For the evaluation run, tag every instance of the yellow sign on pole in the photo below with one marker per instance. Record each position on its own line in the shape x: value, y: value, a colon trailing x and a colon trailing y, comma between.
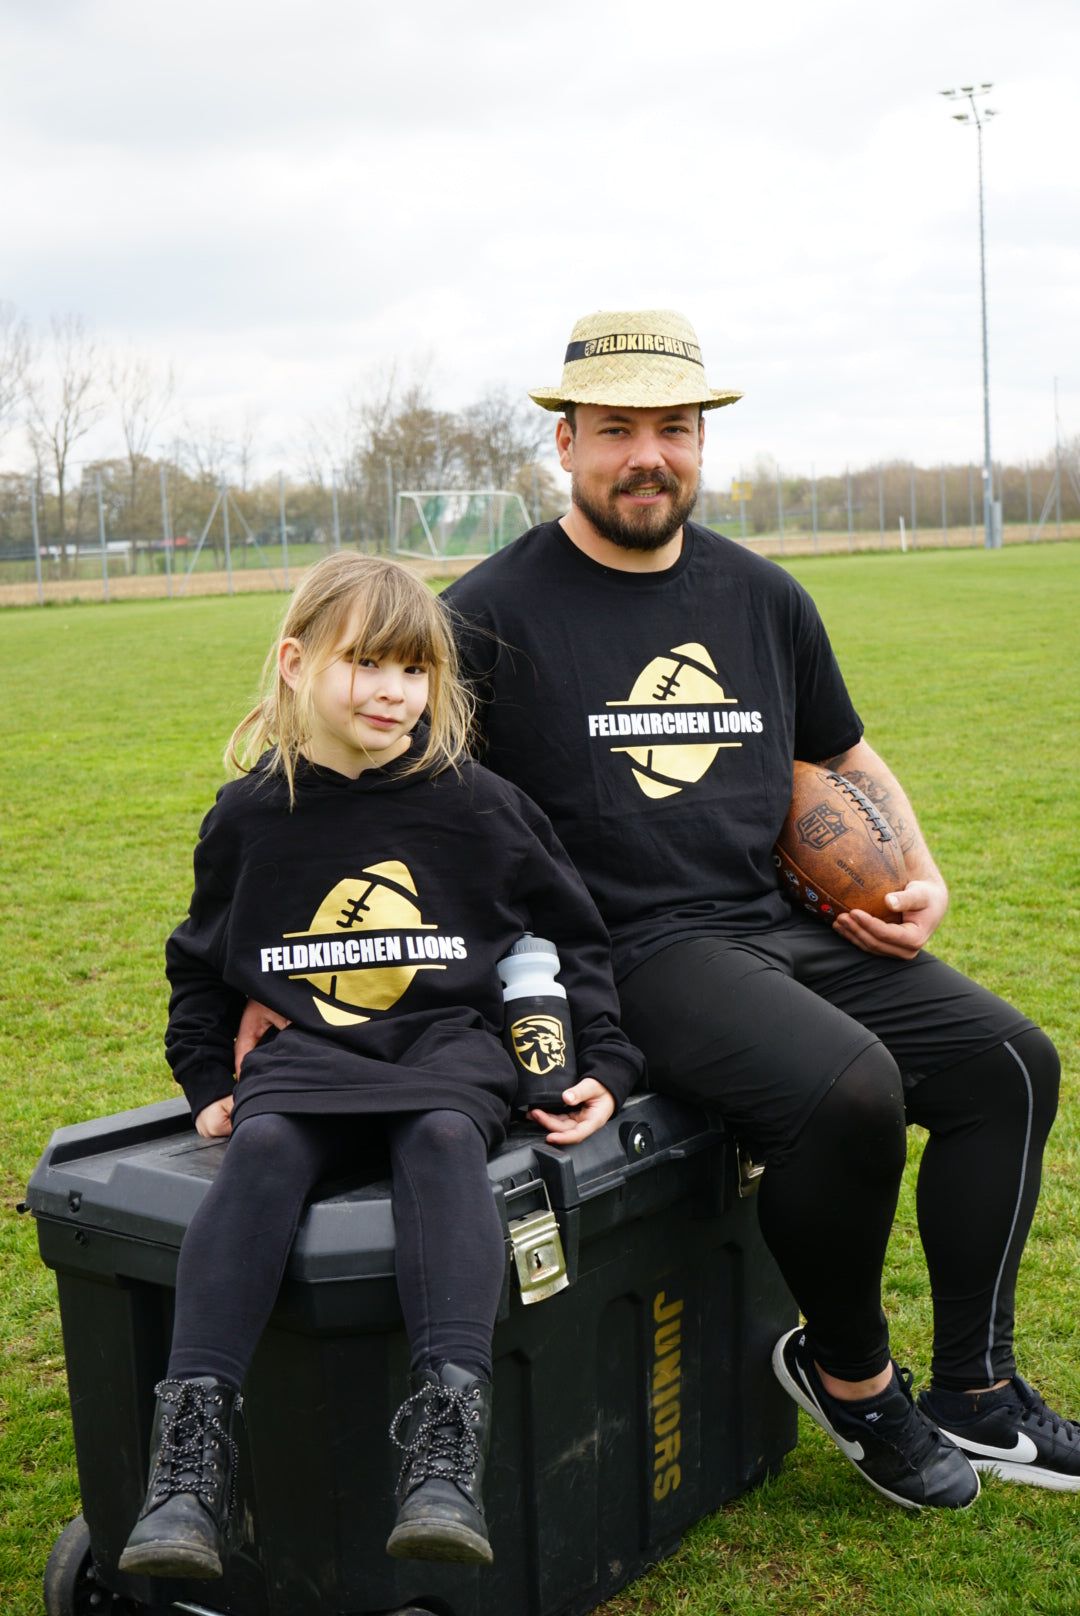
x: 741, y: 491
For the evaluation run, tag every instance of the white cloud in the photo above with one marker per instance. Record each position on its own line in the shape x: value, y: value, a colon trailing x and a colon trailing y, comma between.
x: 279, y: 198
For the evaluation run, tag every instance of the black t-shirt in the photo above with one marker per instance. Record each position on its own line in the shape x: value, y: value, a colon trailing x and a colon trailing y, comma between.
x: 654, y: 717
x: 372, y: 915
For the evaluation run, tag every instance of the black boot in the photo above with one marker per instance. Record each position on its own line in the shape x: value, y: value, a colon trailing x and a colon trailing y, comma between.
x: 181, y: 1527
x: 444, y: 1429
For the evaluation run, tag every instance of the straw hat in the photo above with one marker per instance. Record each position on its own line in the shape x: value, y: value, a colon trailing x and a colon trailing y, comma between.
x: 639, y: 359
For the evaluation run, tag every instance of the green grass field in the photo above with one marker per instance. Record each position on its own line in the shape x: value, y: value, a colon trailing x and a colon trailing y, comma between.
x: 966, y: 667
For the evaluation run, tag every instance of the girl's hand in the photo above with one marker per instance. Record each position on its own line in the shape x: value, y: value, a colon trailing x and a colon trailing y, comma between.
x: 591, y: 1104
x: 255, y: 1022
x: 214, y: 1121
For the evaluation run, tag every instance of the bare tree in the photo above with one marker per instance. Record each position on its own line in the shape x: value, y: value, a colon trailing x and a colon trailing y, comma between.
x: 498, y: 436
x: 64, y: 404
x: 328, y: 443
x: 14, y: 362
x: 399, y: 441
x: 245, y: 449
x: 397, y: 423
x: 391, y: 437
x: 143, y: 393
x: 207, y: 452
x: 541, y: 493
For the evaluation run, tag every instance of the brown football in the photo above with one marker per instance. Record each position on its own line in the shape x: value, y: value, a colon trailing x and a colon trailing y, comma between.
x: 836, y: 851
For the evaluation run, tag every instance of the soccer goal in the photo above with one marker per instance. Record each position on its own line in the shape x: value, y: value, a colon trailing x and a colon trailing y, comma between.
x: 457, y: 522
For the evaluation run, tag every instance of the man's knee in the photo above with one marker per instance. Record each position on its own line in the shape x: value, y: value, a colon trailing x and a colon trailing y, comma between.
x: 863, y: 1112
x: 1013, y: 1084
x: 1040, y: 1066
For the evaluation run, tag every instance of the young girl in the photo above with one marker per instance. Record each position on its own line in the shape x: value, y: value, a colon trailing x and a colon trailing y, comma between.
x: 360, y: 880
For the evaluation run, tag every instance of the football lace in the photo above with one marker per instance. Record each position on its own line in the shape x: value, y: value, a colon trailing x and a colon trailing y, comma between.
x: 880, y: 824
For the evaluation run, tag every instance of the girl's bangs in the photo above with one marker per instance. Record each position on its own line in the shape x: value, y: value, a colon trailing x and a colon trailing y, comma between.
x: 403, y: 626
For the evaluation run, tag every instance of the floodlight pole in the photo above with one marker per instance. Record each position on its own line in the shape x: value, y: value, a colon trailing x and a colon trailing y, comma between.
x: 101, y: 530
x: 165, y: 531
x: 284, y: 529
x: 225, y: 519
x: 988, y: 472
x: 37, y: 543
x: 969, y: 92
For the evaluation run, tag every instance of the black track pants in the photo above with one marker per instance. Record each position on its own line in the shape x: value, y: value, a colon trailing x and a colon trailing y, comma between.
x: 827, y: 1203
x: 817, y: 1055
x: 449, y: 1241
x: 826, y: 1207
x: 978, y: 1184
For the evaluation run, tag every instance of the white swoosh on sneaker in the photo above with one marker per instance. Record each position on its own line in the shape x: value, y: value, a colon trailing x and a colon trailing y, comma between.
x: 1024, y: 1451
x: 853, y: 1450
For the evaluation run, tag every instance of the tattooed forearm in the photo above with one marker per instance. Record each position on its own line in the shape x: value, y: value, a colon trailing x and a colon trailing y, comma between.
x: 878, y: 793
x: 884, y: 799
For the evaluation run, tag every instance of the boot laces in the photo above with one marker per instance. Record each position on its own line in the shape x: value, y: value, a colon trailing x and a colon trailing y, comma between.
x: 193, y: 1440
x: 444, y: 1443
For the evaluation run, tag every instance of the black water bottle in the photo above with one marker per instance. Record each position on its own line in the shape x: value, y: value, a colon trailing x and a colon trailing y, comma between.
x: 536, y: 1026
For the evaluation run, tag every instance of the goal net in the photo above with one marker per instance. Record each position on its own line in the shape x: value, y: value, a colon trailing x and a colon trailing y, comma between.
x: 457, y: 522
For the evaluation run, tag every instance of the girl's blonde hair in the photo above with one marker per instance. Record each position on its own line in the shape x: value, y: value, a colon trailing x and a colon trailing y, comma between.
x: 390, y: 612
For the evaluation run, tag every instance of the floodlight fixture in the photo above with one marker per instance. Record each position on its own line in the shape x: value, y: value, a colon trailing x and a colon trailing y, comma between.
x: 973, y: 95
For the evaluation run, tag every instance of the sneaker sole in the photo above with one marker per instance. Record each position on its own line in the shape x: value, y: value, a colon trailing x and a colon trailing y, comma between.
x: 798, y: 1395
x: 1029, y: 1475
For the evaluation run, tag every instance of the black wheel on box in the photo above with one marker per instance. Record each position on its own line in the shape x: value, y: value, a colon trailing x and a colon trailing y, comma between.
x: 71, y: 1583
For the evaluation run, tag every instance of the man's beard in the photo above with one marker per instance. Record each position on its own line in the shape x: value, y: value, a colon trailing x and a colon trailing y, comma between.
x: 649, y: 527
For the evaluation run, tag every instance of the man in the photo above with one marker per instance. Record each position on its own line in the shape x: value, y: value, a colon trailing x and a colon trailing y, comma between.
x: 614, y: 651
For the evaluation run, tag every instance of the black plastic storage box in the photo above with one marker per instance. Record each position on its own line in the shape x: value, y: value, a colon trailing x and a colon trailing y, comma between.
x: 628, y: 1404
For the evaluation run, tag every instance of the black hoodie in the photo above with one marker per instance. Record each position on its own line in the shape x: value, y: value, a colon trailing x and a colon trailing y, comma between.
x: 372, y: 915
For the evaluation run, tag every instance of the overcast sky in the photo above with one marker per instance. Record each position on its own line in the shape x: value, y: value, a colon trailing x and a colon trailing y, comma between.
x: 280, y: 198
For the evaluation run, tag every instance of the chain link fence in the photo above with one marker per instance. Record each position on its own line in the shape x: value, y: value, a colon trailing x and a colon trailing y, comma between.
x: 171, y: 535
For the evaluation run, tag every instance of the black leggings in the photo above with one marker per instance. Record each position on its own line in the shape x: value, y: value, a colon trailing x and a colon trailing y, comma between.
x: 449, y: 1252
x: 816, y: 1056
x: 827, y: 1204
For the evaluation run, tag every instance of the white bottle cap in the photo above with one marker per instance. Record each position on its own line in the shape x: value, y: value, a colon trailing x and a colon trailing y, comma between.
x: 528, y: 971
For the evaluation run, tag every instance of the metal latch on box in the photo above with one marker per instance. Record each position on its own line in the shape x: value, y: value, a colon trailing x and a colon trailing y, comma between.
x: 537, y: 1247
x: 749, y: 1175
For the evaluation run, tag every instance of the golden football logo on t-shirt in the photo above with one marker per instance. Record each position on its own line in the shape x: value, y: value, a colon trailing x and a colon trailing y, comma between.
x: 683, y: 679
x: 380, y: 900
x: 539, y: 1043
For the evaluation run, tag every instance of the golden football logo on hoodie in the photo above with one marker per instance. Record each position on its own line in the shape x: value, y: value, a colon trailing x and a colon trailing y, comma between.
x: 364, y: 972
x: 685, y: 685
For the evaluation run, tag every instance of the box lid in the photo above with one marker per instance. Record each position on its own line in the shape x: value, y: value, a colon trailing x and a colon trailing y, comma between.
x: 141, y: 1174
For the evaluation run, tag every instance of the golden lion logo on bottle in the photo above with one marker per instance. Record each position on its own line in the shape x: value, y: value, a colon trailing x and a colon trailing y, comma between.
x: 539, y: 1043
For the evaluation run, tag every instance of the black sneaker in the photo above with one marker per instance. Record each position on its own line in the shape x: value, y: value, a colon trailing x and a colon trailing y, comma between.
x: 1010, y: 1433
x: 895, y: 1448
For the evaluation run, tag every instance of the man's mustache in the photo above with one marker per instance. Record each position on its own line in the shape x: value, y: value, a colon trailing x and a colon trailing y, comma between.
x: 647, y: 479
